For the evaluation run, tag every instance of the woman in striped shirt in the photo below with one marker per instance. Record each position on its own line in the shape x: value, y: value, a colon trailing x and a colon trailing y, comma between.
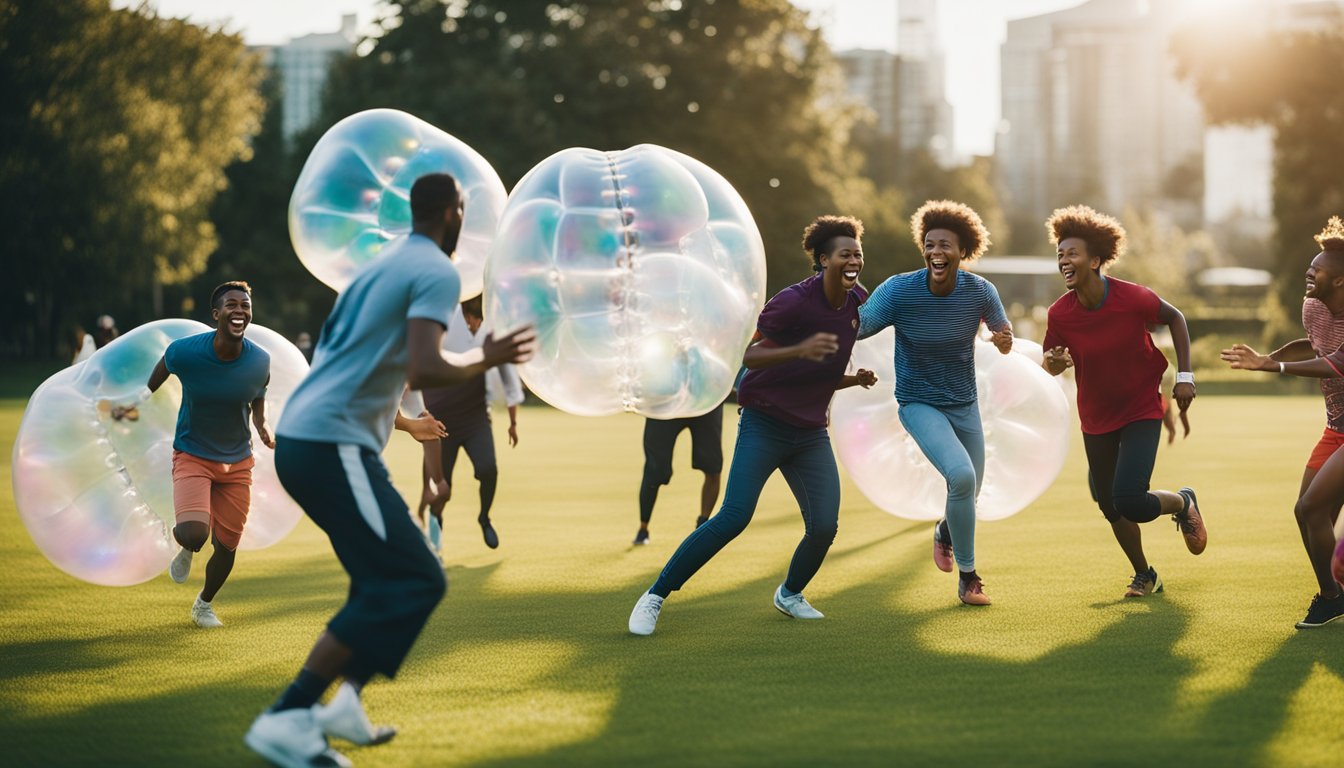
x: 936, y: 312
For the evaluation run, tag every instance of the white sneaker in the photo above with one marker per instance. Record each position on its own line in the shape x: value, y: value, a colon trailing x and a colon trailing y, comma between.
x: 344, y: 718
x: 795, y: 605
x: 291, y: 739
x: 435, y: 536
x: 180, y: 568
x: 203, y: 614
x: 645, y: 616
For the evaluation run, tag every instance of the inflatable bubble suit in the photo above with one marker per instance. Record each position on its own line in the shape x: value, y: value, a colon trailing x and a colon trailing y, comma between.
x: 1025, y: 417
x: 354, y: 195
x: 96, y: 494
x: 643, y: 273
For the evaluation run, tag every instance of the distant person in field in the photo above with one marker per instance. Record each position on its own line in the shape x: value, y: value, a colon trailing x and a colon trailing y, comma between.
x: 795, y: 363
x: 304, y: 341
x: 1317, y: 356
x: 383, y: 334
x: 1100, y: 327
x: 936, y: 313
x: 660, y: 440
x: 224, y: 378
x: 84, y: 344
x: 105, y: 331
x: 464, y: 410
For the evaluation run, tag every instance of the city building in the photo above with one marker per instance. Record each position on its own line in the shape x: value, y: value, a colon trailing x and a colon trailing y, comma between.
x: 303, y: 63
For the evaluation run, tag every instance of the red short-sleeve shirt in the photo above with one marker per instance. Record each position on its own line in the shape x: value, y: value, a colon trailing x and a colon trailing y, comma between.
x: 1118, y: 367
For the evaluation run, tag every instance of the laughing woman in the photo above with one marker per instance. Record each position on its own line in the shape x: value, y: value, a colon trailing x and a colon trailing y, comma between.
x: 1100, y: 326
x: 794, y: 365
x: 937, y: 312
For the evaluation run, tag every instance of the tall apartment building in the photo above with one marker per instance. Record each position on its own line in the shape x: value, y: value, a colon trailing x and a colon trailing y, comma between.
x: 302, y: 64
x: 1093, y: 111
x: 905, y: 89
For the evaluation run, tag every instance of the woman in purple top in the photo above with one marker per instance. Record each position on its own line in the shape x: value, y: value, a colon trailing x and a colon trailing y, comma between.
x: 795, y: 363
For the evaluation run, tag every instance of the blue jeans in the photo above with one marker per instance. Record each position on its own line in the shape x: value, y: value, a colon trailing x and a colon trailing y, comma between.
x: 803, y: 455
x: 954, y: 442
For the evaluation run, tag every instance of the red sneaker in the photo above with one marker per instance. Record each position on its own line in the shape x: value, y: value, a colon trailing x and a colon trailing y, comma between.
x: 942, y: 547
x: 1191, y: 523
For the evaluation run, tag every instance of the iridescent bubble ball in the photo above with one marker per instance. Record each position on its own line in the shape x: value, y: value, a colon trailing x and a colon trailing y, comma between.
x: 96, y: 494
x: 643, y: 273
x: 1024, y: 412
x: 354, y: 195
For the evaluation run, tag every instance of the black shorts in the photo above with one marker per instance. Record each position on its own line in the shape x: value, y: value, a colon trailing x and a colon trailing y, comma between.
x: 660, y: 438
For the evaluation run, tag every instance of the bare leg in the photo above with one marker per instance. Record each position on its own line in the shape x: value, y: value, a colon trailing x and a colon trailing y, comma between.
x: 1130, y: 537
x: 1315, y: 511
x: 217, y: 570
x: 709, y: 495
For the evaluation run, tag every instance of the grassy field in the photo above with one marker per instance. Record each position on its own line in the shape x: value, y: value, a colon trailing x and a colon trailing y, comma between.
x: 528, y: 662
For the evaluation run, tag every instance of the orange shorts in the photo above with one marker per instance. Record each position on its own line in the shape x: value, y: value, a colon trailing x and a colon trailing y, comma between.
x: 213, y: 493
x: 1330, y: 442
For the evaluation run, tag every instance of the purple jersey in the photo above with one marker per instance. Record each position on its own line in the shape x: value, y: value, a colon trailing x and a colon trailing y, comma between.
x: 799, y: 392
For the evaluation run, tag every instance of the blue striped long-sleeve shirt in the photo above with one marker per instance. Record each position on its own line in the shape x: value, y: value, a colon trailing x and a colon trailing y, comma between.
x: 935, y: 335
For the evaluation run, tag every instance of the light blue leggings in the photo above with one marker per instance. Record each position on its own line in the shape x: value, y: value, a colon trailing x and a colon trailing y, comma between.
x: 954, y: 442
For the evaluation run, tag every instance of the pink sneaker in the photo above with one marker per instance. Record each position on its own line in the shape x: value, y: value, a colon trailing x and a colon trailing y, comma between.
x: 942, y: 547
x: 972, y: 592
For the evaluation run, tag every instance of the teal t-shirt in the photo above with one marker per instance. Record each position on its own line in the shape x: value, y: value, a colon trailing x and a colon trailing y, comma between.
x: 217, y: 397
x: 350, y: 395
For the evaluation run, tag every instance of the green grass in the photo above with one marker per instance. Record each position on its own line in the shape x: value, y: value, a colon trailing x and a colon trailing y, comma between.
x: 528, y: 662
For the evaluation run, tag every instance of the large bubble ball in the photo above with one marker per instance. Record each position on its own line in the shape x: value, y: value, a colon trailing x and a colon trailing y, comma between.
x: 96, y: 494
x: 643, y: 273
x: 1025, y: 415
x: 354, y: 195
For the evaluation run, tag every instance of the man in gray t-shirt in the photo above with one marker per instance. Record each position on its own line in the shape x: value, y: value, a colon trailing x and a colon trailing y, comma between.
x: 383, y: 334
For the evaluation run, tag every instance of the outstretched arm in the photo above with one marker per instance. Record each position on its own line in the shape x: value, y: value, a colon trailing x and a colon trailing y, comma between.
x: 861, y: 378
x: 764, y: 353
x: 1243, y: 358
x: 426, y: 367
x: 130, y: 409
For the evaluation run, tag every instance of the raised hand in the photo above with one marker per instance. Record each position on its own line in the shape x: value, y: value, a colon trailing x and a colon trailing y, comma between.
x: 1003, y: 340
x: 514, y: 347
x: 1243, y: 358
x: 818, y: 347
x: 1058, y: 360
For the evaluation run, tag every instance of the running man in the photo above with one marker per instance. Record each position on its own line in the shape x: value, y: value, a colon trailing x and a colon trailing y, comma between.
x: 1317, y: 356
x: 660, y: 439
x: 224, y: 378
x: 384, y: 333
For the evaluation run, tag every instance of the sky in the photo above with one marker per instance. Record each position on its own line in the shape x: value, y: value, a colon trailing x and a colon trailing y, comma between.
x: 970, y: 30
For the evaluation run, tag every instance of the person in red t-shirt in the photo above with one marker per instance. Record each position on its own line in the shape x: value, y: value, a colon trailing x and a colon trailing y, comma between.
x: 1100, y: 327
x: 1321, y: 356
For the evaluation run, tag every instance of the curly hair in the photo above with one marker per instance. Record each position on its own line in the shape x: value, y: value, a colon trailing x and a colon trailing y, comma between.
x: 1105, y: 237
x: 1332, y: 237
x: 823, y: 229
x: 961, y: 219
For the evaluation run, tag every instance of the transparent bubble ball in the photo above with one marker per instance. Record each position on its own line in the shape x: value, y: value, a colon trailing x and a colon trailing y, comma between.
x: 1024, y: 412
x: 96, y: 494
x: 354, y: 195
x: 643, y: 273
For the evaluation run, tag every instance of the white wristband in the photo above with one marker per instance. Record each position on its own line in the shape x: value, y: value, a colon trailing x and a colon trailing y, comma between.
x: 1185, y: 377
x: 1281, y: 367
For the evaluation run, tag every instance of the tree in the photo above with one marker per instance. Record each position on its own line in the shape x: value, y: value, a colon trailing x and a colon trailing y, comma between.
x: 745, y: 86
x: 1287, y: 79
x: 117, y: 127
x: 252, y: 227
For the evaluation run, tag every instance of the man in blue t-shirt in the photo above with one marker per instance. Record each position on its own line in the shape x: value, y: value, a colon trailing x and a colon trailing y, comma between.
x: 224, y: 378
x: 383, y: 333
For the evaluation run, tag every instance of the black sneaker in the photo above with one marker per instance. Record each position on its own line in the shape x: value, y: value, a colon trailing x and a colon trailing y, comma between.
x: 642, y: 537
x: 1323, y: 610
x: 488, y: 532
x: 1145, y: 583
